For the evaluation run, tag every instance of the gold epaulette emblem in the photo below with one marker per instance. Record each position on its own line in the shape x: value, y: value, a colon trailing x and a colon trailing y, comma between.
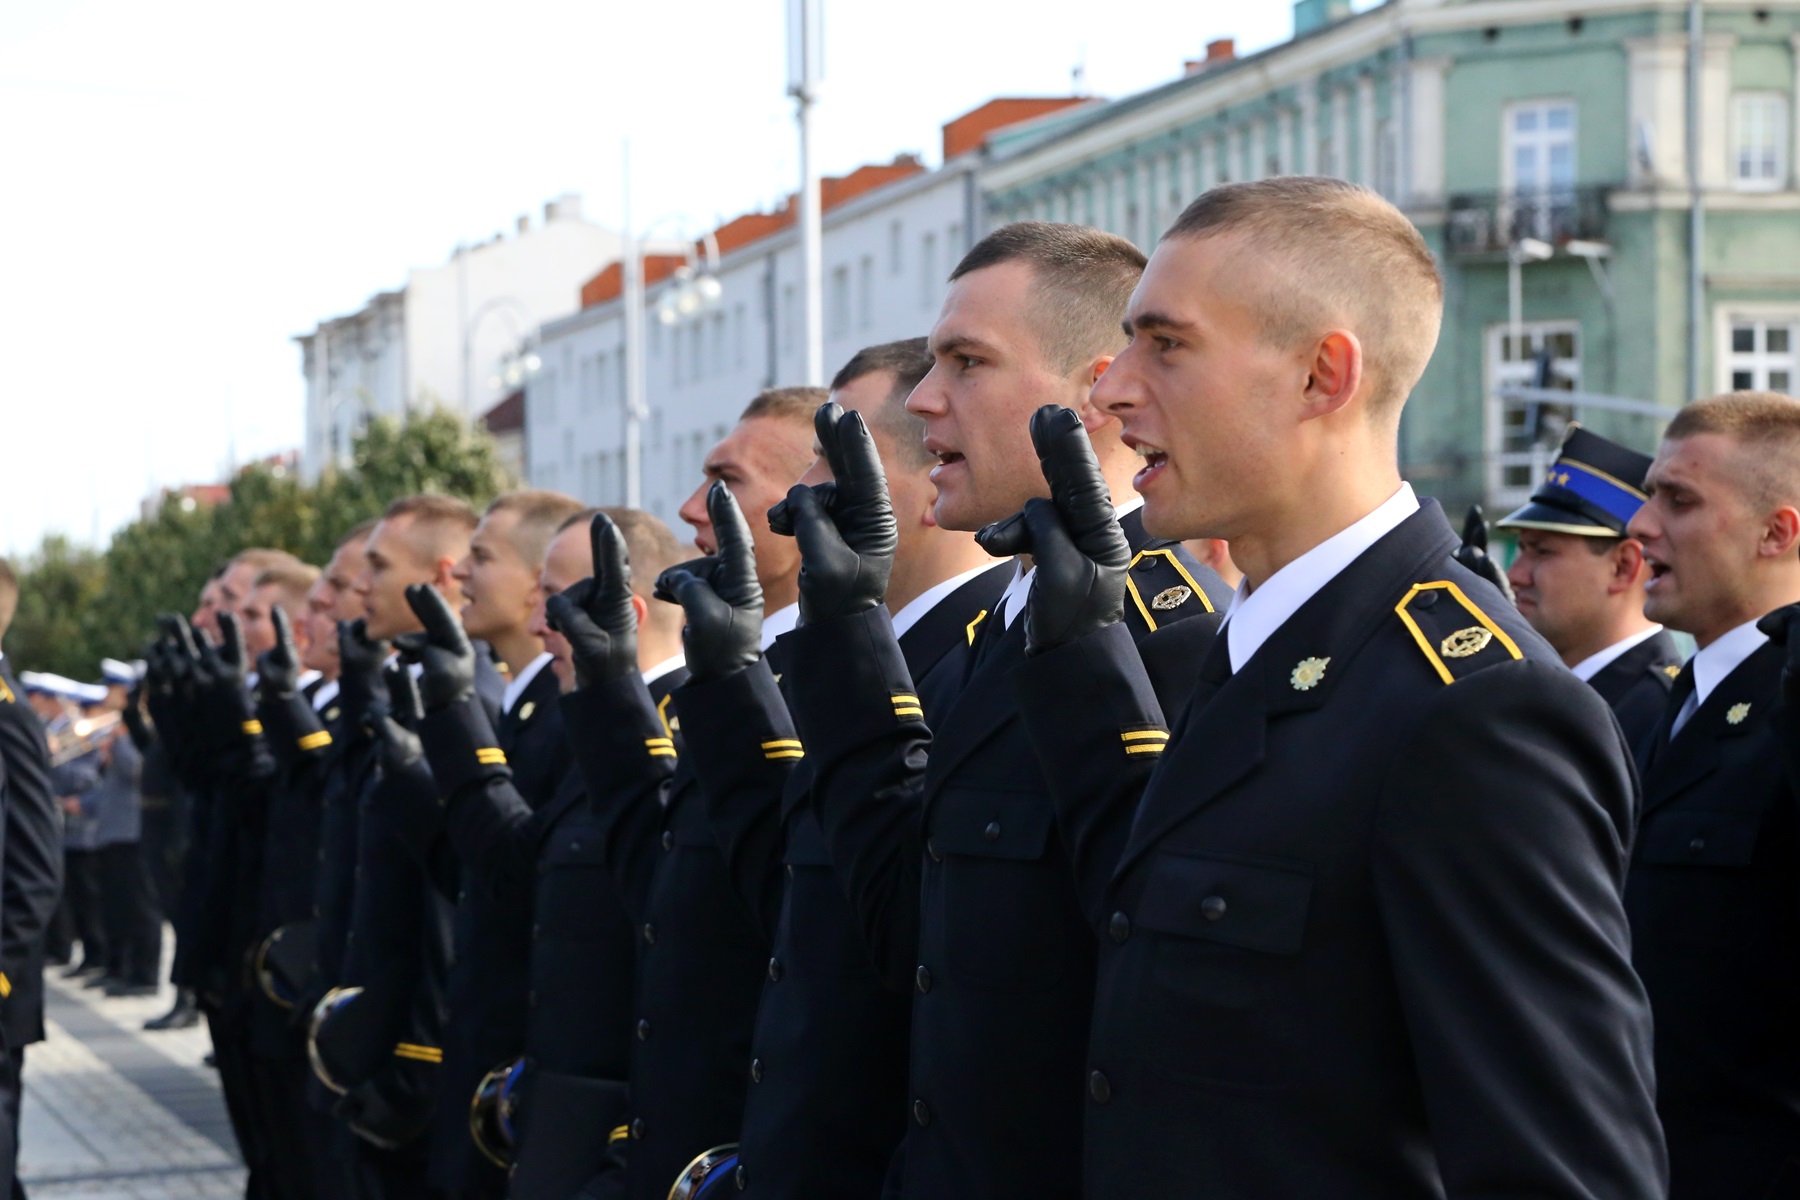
x: 1173, y: 597
x: 1465, y: 643
x: 1736, y: 713
x: 1306, y: 676
x: 526, y: 709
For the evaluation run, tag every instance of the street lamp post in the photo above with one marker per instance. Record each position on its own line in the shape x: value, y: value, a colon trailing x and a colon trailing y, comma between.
x: 806, y: 54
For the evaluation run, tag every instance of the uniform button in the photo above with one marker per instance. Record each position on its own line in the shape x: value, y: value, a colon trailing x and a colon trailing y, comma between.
x: 922, y: 977
x: 743, y: 1180
x: 1213, y: 907
x: 992, y: 832
x: 774, y: 970
x: 668, y: 839
x: 649, y: 934
x: 575, y: 845
x: 1119, y: 928
x: 1099, y: 1087
x: 1426, y: 599
x: 756, y: 1070
x: 637, y: 1130
x: 1697, y: 845
x: 643, y: 1029
x: 921, y: 1114
x: 1147, y: 563
x: 931, y: 848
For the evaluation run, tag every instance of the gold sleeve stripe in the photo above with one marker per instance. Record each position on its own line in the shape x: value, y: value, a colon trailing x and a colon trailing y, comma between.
x: 417, y: 1053
x: 775, y: 754
x: 313, y: 741
x: 909, y: 713
x: 901, y: 698
x: 1146, y: 748
x: 660, y: 747
x: 979, y: 618
x: 782, y: 743
x: 1144, y: 735
x: 491, y: 756
x: 1456, y: 594
x: 619, y: 1134
x: 253, y: 727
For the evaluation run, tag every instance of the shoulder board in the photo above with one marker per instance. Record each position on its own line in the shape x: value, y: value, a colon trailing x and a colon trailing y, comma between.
x: 1456, y: 637
x: 6, y: 693
x: 1161, y: 589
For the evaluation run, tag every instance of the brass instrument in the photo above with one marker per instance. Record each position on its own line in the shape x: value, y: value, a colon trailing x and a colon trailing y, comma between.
x: 330, y: 1003
x: 708, y: 1175
x: 82, y: 737
x: 493, y: 1111
x: 282, y: 962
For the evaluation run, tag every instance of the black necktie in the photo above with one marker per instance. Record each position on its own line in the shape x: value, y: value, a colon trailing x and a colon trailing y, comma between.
x: 1678, y: 696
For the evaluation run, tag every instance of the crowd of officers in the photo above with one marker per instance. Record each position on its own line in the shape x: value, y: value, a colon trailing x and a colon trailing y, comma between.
x: 1069, y: 762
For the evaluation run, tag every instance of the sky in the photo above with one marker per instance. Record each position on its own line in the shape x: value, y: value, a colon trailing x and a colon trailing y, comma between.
x: 187, y: 185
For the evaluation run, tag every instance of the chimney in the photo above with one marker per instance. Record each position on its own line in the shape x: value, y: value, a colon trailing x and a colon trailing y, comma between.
x: 1218, y: 51
x: 524, y: 224
x: 566, y: 207
x: 1316, y: 14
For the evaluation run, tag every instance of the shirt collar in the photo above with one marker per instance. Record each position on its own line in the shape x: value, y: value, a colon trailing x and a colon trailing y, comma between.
x: 1254, y: 616
x: 915, y: 609
x: 1593, y: 664
x: 327, y: 692
x: 1126, y: 507
x: 1012, y: 600
x: 663, y: 668
x: 516, y: 686
x: 781, y: 621
x: 1723, y: 656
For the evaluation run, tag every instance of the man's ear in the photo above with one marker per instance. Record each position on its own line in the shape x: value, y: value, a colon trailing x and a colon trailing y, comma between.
x: 1334, y: 374
x: 1092, y: 416
x: 1628, y: 567
x: 1781, y: 533
x: 640, y: 607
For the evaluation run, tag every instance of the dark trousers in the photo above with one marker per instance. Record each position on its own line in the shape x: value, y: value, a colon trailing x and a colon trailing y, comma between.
x: 78, y: 914
x: 132, y: 921
x: 392, y: 1174
x: 230, y: 1029
x: 279, y: 1082
x: 12, y: 1068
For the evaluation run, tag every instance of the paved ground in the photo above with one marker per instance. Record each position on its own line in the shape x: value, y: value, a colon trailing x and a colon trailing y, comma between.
x: 114, y: 1113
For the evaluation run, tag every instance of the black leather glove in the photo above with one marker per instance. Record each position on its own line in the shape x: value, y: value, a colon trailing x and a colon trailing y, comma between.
x: 1783, y: 628
x: 278, y: 668
x: 221, y: 703
x: 595, y: 615
x: 444, y: 650
x: 1473, y: 552
x: 720, y: 595
x: 845, y: 528
x: 394, y: 725
x: 1074, y: 537
x: 359, y: 670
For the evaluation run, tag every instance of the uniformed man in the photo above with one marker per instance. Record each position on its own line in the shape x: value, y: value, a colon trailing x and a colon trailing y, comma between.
x: 1716, y: 871
x: 569, y: 1088
x: 133, y: 929
x: 60, y: 703
x: 1579, y: 580
x: 827, y: 1098
x: 976, y: 909
x: 1362, y: 935
x: 30, y: 879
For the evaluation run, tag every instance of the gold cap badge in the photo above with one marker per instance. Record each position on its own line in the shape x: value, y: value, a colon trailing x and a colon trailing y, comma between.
x: 1306, y: 676
x: 1173, y: 597
x: 1736, y: 713
x: 1465, y: 642
x: 526, y: 709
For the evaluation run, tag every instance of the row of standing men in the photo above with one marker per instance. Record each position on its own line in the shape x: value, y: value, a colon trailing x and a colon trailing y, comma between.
x: 840, y: 861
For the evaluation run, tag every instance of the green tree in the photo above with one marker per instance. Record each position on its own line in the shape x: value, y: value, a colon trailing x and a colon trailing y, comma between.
x: 77, y: 606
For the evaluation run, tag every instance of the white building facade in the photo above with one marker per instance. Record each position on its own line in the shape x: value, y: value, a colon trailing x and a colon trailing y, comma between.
x: 440, y: 340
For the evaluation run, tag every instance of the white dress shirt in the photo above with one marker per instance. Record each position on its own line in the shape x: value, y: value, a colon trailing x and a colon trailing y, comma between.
x: 1012, y: 600
x: 327, y: 692
x: 516, y: 686
x: 1254, y: 616
x: 1592, y: 665
x: 781, y: 621
x: 914, y: 609
x: 663, y: 668
x: 1714, y: 663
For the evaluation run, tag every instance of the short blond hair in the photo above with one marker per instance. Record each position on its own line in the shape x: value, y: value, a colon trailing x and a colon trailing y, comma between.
x: 292, y: 580
x: 537, y: 515
x: 1765, y: 423
x: 1342, y: 256
x: 439, y: 525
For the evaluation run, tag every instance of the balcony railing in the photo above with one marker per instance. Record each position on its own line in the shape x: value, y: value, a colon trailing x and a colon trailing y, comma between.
x: 1489, y: 222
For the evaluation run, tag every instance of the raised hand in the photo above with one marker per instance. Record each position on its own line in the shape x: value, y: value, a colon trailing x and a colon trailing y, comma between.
x: 1074, y: 537
x: 1783, y: 628
x: 596, y: 615
x: 720, y: 594
x: 1472, y: 553
x: 230, y: 660
x: 278, y: 668
x: 394, y: 725
x: 359, y: 668
x: 845, y: 528
x: 444, y: 650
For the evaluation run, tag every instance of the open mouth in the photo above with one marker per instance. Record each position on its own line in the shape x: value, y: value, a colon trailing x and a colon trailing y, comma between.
x: 946, y: 459
x: 1657, y: 571
x: 1155, y: 462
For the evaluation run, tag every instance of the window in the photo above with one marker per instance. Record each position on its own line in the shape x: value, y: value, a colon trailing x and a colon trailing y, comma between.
x: 1387, y: 160
x: 896, y: 248
x: 674, y: 351
x: 697, y: 348
x: 953, y: 242
x: 1759, y: 141
x: 865, y: 292
x: 738, y: 345
x: 928, y: 270
x: 718, y: 343
x: 790, y: 317
x: 1522, y: 438
x: 1764, y: 353
x: 839, y: 306
x: 1539, y: 169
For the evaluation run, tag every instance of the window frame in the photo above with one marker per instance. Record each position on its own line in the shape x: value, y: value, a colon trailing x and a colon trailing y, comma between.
x: 1780, y: 106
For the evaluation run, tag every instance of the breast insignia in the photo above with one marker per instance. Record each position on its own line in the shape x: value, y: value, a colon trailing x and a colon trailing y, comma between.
x: 526, y: 709
x: 1465, y: 643
x: 1672, y: 670
x: 1169, y: 598
x: 1736, y: 713
x: 333, y: 713
x: 1306, y: 676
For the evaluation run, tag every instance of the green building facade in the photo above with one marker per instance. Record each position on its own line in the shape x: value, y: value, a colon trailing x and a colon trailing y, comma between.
x: 1508, y: 130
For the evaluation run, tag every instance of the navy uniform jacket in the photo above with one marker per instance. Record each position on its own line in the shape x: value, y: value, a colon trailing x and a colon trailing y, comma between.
x: 1714, y: 898
x: 1636, y: 685
x: 701, y: 960
x: 1363, y: 934
x: 983, y: 925
x: 30, y: 866
x: 581, y: 999
x: 827, y: 1100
